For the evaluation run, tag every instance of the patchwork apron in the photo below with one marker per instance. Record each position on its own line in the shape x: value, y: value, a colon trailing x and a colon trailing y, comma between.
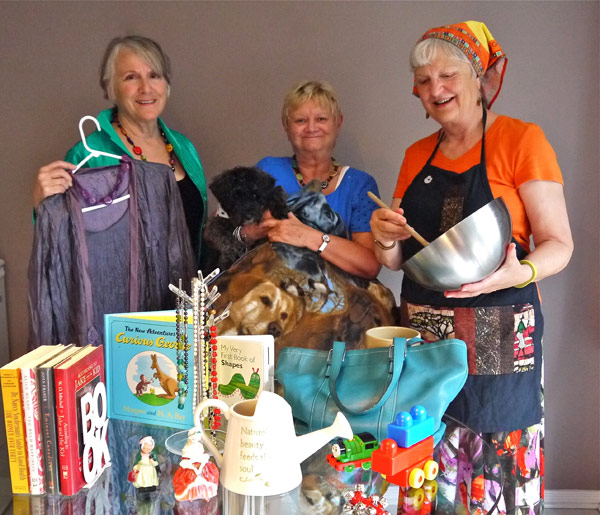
x: 503, y: 329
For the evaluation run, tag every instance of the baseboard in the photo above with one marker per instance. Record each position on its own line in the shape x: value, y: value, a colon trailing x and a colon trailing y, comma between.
x: 573, y: 499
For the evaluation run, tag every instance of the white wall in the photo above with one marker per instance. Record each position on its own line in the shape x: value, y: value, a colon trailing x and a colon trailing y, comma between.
x: 233, y: 62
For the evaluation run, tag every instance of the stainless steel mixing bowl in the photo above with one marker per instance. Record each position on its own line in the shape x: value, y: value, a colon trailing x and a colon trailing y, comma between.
x: 466, y: 253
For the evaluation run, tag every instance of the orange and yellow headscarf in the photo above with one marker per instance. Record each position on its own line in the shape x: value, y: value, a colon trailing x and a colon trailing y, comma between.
x: 475, y: 40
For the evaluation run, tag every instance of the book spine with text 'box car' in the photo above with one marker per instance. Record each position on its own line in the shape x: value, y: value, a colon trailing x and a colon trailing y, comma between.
x: 47, y: 401
x: 31, y: 413
x: 72, y: 380
x: 15, y: 430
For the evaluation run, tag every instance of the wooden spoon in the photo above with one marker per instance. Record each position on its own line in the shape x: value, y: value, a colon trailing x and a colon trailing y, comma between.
x: 412, y: 232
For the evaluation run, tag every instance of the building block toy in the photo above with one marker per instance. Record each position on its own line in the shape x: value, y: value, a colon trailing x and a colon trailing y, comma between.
x: 405, y: 466
x: 390, y: 458
x: 410, y: 428
x: 405, y: 458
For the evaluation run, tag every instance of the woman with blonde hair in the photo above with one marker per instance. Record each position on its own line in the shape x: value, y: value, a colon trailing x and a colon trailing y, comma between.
x: 312, y: 119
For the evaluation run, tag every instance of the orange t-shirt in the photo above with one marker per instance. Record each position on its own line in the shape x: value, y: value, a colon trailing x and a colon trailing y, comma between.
x: 515, y: 152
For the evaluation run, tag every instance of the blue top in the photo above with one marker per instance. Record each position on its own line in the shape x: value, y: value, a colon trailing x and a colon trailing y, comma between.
x: 349, y: 199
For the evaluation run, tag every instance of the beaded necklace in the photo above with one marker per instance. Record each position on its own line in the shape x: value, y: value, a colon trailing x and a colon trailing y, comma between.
x: 181, y: 319
x: 300, y: 177
x: 138, y: 150
x: 205, y: 337
x: 204, y: 380
x: 91, y: 200
x: 211, y: 370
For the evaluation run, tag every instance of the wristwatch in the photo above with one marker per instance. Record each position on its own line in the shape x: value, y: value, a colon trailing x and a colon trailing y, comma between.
x: 326, y: 240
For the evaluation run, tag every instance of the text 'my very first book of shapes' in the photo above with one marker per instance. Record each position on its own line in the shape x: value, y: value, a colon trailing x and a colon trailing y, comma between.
x: 245, y: 366
x: 142, y: 371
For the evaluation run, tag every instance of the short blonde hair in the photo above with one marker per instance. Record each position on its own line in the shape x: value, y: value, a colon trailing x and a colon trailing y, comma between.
x: 319, y: 91
x: 146, y: 48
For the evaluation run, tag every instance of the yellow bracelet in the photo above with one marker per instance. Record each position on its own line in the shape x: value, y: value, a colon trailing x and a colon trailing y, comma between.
x: 534, y: 273
x: 382, y: 246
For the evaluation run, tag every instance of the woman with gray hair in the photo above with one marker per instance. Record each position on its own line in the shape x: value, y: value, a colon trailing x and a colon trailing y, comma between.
x: 135, y: 76
x: 476, y: 156
x: 93, y: 254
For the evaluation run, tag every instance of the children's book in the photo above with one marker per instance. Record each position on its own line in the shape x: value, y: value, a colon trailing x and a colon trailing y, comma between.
x: 10, y: 374
x: 32, y: 416
x: 244, y: 366
x: 77, y: 379
x: 47, y: 401
x: 145, y: 381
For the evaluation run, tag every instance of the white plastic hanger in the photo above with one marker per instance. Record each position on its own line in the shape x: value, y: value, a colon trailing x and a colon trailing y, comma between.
x: 95, y: 153
x: 92, y: 152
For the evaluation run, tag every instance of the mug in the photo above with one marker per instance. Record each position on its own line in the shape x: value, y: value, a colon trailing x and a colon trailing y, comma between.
x: 383, y: 336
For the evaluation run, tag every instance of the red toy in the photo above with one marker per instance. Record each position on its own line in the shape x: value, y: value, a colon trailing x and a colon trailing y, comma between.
x: 406, y: 467
x: 405, y: 458
x: 357, y: 503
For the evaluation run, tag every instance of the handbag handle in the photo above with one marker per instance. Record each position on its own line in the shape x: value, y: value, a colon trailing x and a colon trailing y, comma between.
x: 397, y: 353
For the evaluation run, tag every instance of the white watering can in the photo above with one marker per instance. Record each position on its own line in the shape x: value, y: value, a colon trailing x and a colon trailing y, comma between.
x: 262, y: 454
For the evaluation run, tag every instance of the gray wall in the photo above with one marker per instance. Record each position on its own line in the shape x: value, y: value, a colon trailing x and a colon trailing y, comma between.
x: 232, y: 63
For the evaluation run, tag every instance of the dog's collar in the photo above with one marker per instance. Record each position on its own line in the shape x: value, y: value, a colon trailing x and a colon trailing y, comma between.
x: 221, y: 212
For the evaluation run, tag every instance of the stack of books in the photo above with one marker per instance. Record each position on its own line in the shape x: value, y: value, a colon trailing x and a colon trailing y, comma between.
x: 43, y: 393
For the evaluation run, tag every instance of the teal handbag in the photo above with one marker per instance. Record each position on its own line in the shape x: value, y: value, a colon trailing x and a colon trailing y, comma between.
x: 371, y: 386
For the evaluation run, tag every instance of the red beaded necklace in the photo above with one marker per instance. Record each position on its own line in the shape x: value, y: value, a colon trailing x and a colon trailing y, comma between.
x: 138, y: 150
x: 210, y: 337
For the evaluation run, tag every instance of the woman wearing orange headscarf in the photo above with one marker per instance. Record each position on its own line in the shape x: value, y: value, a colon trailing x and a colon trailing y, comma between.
x: 476, y: 156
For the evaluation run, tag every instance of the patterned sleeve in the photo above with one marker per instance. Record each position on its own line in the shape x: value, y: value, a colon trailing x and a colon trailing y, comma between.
x: 362, y: 205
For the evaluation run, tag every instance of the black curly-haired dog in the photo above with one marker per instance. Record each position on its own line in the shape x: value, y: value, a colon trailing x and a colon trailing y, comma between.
x: 244, y: 194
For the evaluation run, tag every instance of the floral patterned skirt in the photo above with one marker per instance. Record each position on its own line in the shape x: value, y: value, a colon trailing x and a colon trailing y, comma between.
x: 491, y: 473
x: 473, y: 468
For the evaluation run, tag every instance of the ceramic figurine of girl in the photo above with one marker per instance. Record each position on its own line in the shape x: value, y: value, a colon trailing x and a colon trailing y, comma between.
x: 144, y: 474
x: 196, y: 477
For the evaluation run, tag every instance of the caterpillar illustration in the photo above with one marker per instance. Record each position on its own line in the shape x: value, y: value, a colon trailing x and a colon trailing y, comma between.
x: 248, y: 391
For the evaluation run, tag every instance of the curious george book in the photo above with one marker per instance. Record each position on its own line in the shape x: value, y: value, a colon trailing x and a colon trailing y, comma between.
x: 149, y: 373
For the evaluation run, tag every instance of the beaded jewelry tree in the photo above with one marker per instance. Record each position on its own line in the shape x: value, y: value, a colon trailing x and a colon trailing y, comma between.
x: 204, y: 347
